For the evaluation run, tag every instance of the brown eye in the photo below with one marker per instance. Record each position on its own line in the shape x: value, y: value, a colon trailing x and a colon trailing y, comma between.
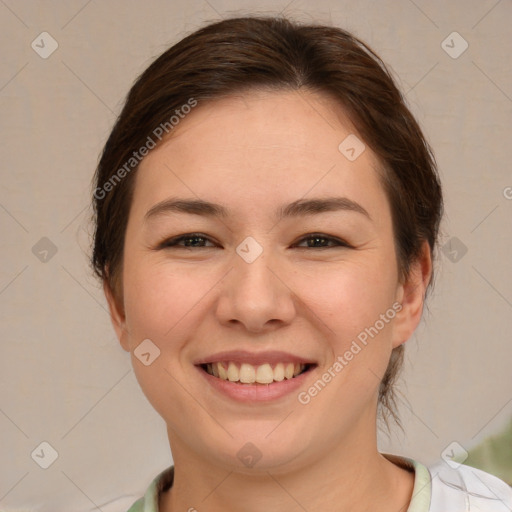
x: 186, y: 241
x: 320, y: 240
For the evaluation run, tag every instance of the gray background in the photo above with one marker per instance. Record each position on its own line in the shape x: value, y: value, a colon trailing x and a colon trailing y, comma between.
x: 65, y: 380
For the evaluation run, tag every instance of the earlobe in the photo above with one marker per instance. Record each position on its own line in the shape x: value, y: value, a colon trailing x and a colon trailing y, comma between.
x: 411, y: 295
x: 117, y: 317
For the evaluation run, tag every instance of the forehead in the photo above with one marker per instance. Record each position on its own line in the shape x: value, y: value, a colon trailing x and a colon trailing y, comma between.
x: 259, y: 150
x: 264, y: 124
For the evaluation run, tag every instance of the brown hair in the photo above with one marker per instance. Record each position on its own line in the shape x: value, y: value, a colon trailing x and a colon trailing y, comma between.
x: 274, y: 53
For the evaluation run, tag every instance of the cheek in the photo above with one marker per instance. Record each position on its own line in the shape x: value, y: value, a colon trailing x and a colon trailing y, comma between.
x: 158, y: 297
x: 165, y: 390
x: 159, y: 306
x: 347, y: 297
x: 350, y: 301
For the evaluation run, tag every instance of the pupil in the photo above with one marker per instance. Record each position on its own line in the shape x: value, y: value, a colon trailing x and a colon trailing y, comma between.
x: 316, y: 239
x: 192, y: 238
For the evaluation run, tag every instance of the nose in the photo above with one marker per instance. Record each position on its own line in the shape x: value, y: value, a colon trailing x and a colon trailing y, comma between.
x: 255, y: 296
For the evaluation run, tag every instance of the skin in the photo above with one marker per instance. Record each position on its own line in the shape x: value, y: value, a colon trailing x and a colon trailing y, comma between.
x: 252, y: 154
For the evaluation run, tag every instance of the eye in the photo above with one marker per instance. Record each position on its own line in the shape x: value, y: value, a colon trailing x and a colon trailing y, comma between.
x: 319, y: 238
x: 190, y: 240
x: 198, y: 240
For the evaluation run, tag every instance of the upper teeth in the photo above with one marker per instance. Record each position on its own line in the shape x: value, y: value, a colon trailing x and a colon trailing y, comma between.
x: 248, y: 374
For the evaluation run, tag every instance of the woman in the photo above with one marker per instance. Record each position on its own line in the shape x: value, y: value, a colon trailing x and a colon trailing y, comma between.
x: 267, y: 211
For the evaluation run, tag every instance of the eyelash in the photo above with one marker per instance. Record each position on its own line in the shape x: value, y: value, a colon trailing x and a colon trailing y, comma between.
x: 173, y: 242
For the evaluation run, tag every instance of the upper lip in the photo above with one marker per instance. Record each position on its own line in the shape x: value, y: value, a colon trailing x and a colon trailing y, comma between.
x: 254, y: 358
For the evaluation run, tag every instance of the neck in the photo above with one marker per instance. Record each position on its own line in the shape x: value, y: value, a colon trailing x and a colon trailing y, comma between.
x: 353, y: 477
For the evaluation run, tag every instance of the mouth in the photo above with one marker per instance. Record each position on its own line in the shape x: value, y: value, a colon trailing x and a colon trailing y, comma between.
x: 252, y: 375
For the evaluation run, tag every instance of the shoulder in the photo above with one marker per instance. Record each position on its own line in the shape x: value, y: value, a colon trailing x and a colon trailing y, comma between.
x: 467, y: 489
x: 138, y: 506
x: 149, y: 502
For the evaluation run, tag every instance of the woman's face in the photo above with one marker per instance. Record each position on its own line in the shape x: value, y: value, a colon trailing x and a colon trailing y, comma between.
x: 256, y: 288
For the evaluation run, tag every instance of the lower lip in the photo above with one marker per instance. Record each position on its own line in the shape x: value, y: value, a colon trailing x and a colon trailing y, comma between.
x: 255, y: 392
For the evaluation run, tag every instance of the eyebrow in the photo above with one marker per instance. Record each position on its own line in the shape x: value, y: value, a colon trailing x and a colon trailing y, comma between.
x: 301, y: 207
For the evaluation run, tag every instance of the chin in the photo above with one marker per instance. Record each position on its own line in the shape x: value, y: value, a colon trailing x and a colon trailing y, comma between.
x: 258, y: 453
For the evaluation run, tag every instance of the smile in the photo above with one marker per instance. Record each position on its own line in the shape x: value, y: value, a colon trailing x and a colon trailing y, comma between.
x: 251, y: 377
x: 246, y: 373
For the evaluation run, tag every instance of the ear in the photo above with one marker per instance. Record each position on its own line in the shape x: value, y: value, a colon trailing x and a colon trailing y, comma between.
x: 117, y: 316
x: 411, y: 295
